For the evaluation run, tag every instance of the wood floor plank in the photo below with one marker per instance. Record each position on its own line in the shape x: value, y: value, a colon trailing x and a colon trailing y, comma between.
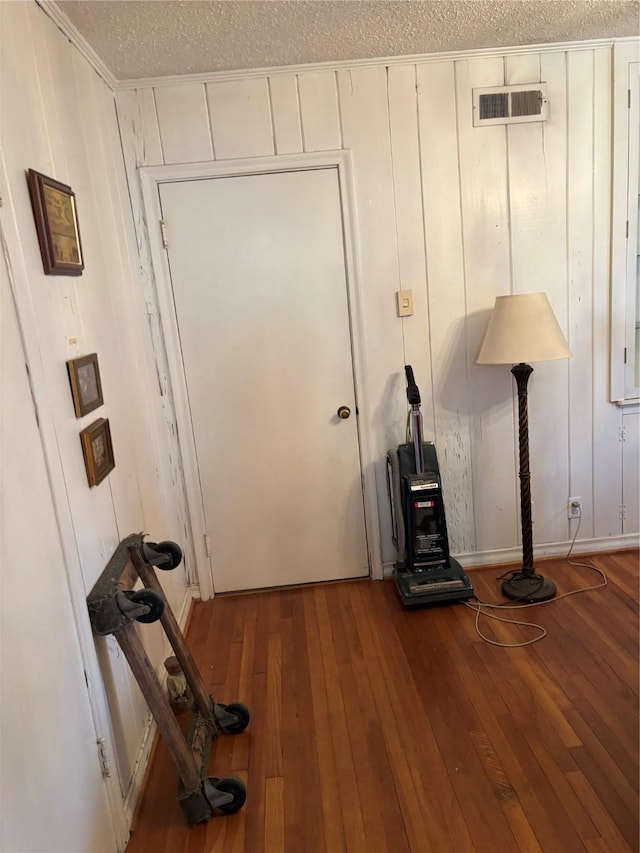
x: 274, y: 815
x: 535, y: 743
x: 407, y: 764
x: 198, y: 629
x: 438, y: 784
x: 216, y: 834
x: 485, y: 819
x: 303, y: 817
x: 331, y: 793
x: 625, y: 576
x: 262, y: 634
x: 565, y: 802
x: 346, y: 775
x: 618, y: 743
x: 452, y: 716
x: 195, y: 839
x: 377, y: 729
x: 610, y: 835
x: 438, y: 800
x: 259, y: 735
x: 378, y: 755
x: 166, y: 812
x: 241, y: 742
x: 219, y: 644
x: 611, y: 787
x: 612, y: 636
x: 517, y: 796
x: 273, y: 747
x: 359, y: 720
x: 589, y: 674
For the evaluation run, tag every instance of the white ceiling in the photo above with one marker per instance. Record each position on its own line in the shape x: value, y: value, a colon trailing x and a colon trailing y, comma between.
x: 152, y: 38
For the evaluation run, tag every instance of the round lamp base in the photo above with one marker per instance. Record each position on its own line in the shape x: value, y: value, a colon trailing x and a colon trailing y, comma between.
x: 528, y: 588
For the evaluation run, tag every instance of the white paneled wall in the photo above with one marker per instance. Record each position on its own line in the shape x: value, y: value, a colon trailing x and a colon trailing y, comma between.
x: 460, y: 215
x: 58, y: 117
x: 45, y: 705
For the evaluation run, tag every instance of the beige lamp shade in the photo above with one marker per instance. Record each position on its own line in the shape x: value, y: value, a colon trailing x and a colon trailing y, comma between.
x: 522, y: 328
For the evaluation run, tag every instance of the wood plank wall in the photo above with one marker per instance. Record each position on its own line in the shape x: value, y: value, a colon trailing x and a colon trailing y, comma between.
x: 58, y: 117
x: 460, y: 215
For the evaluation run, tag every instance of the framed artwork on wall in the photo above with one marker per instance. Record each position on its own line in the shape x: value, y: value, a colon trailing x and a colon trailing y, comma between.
x: 56, y: 215
x: 97, y: 450
x: 86, y: 388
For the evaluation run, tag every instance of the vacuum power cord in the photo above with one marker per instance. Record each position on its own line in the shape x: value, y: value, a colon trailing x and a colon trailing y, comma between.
x: 478, y: 607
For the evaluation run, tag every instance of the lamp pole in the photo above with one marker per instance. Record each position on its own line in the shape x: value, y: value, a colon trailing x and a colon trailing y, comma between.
x: 522, y: 372
x: 527, y: 584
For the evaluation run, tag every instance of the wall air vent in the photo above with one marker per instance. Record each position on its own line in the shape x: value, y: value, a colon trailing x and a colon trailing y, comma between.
x: 510, y: 104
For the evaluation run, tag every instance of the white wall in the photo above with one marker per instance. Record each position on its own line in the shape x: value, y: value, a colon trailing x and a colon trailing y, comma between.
x: 460, y: 215
x: 51, y: 792
x: 58, y: 117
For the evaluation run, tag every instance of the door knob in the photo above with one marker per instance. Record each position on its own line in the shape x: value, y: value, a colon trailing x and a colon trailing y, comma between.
x: 344, y: 412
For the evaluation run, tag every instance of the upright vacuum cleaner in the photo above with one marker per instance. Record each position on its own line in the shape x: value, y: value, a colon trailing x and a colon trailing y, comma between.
x: 425, y: 572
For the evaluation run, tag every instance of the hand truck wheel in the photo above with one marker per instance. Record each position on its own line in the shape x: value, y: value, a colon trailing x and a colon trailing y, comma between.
x: 234, y: 786
x: 143, y: 605
x: 163, y: 555
x: 242, y: 717
x: 151, y: 599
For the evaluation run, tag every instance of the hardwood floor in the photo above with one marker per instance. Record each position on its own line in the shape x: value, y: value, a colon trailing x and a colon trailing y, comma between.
x: 379, y: 729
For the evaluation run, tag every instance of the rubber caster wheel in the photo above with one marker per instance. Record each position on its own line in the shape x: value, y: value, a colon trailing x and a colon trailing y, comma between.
x: 170, y: 555
x: 153, y: 600
x: 241, y: 712
x: 235, y: 786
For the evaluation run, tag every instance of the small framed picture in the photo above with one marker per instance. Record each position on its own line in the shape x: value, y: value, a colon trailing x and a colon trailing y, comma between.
x: 56, y: 215
x: 97, y: 450
x: 86, y: 388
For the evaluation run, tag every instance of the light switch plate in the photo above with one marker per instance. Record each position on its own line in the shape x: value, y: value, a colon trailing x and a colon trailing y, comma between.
x: 405, y: 302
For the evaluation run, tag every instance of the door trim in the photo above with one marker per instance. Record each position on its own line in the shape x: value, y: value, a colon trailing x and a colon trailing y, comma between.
x: 151, y: 177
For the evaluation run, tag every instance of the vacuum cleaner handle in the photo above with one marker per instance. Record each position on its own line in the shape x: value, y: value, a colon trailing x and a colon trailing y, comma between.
x: 413, y: 394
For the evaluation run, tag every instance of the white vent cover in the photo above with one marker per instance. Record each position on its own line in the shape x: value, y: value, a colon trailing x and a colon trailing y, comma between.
x: 510, y: 104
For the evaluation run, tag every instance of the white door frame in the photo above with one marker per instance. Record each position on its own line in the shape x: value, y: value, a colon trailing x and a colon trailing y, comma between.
x: 19, y: 283
x: 151, y: 177
x: 624, y: 224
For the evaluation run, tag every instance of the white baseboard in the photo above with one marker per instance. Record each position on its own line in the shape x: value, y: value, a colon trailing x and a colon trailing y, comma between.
x: 191, y: 592
x: 140, y: 768
x: 149, y: 734
x: 478, y: 559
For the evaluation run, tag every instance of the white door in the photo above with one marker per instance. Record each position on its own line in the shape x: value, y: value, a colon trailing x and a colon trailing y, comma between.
x: 257, y: 266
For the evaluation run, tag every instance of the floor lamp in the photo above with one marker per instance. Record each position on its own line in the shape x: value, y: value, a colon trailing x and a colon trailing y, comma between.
x: 523, y: 328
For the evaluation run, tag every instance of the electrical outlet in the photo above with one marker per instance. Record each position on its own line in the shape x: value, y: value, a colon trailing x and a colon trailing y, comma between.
x: 574, y: 507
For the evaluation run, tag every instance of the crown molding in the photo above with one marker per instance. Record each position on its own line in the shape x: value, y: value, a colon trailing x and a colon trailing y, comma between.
x: 219, y: 76
x: 272, y: 71
x: 53, y: 11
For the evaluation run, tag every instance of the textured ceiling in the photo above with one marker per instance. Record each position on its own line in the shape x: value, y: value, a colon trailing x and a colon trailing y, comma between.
x: 150, y: 38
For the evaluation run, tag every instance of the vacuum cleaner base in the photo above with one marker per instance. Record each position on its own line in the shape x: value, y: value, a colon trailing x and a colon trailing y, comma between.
x: 432, y: 585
